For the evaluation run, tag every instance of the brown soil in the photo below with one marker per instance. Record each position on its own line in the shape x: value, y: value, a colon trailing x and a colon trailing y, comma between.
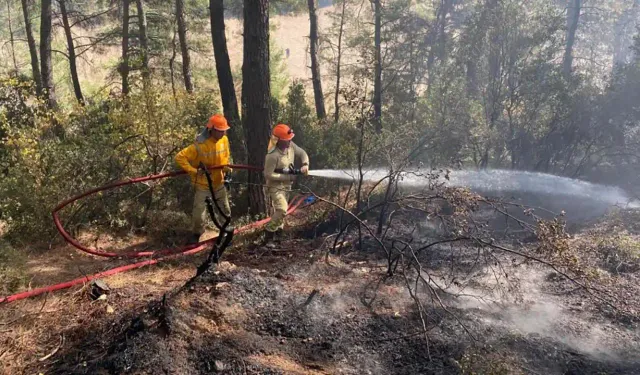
x: 293, y: 310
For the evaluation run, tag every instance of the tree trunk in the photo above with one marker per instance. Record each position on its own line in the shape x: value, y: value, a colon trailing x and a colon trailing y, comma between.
x: 315, y: 66
x: 33, y: 52
x: 11, y: 40
x: 46, y: 68
x: 493, y: 90
x: 377, y: 85
x: 472, y: 78
x: 336, y: 114
x: 124, y: 64
x: 184, y: 46
x: 573, y: 17
x: 476, y: 36
x: 72, y: 52
x: 447, y: 6
x: 225, y: 78
x: 623, y: 35
x: 144, y: 43
x: 172, y: 60
x: 437, y: 40
x: 256, y: 94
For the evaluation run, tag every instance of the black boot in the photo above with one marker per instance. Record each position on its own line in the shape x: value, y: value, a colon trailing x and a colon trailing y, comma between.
x: 194, y: 238
x: 270, y: 239
x: 278, y: 235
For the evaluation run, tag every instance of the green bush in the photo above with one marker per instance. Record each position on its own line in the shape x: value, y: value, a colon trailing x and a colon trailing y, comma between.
x: 12, y: 265
x: 111, y: 139
x: 329, y: 144
x: 620, y: 252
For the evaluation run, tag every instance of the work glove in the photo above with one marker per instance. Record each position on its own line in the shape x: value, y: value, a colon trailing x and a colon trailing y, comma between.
x: 288, y: 171
x: 304, y: 170
x: 227, y: 182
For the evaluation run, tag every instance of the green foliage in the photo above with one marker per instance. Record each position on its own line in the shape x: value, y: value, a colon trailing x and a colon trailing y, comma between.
x: 12, y: 265
x: 278, y: 71
x: 296, y: 113
x: 329, y: 145
x: 620, y: 252
x: 483, y: 86
x: 615, y: 242
x: 15, y: 112
x: 111, y: 140
x: 480, y: 84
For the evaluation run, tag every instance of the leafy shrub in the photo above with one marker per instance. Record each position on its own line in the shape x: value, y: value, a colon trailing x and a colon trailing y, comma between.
x: 12, y: 264
x: 614, y: 242
x: 111, y: 139
x: 329, y: 144
x: 619, y: 252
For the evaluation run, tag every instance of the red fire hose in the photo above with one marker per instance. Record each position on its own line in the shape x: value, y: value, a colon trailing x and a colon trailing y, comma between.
x: 79, y: 246
x: 160, y: 255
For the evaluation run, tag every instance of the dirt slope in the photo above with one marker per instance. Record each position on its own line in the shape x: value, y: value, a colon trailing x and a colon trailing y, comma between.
x: 292, y: 310
x: 260, y: 315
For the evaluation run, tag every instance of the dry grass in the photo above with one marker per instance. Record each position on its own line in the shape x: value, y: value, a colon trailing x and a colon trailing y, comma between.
x: 223, y: 312
x: 30, y: 329
x: 286, y: 365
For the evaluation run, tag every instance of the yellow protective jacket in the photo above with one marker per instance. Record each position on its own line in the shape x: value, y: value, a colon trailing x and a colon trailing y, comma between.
x: 211, y: 153
x: 276, y: 159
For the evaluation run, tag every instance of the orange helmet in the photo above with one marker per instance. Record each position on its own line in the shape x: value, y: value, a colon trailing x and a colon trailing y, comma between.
x: 218, y: 122
x: 283, y: 132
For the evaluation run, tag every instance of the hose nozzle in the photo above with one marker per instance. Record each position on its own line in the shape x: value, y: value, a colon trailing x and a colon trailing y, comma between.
x: 289, y: 170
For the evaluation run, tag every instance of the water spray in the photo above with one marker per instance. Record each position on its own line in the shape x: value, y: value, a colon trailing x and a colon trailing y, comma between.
x: 495, y: 181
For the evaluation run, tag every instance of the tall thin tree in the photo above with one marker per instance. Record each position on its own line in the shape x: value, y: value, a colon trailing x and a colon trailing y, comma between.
x: 46, y: 68
x: 315, y: 65
x: 33, y: 51
x: 624, y: 28
x: 172, y: 60
x: 144, y: 43
x: 336, y: 99
x: 184, y: 46
x: 225, y: 79
x: 71, y: 51
x: 377, y: 83
x: 437, y: 38
x: 492, y: 105
x: 11, y: 37
x: 223, y: 65
x: 573, y: 18
x: 124, y: 64
x: 256, y: 94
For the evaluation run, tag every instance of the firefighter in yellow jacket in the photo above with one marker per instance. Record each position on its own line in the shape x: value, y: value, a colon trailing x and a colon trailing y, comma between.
x: 211, y: 148
x: 281, y: 155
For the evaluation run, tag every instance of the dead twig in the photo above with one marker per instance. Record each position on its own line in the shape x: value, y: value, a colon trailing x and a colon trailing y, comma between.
x: 310, y: 298
x: 434, y: 293
x: 54, y: 350
x: 355, y: 217
x: 587, y: 288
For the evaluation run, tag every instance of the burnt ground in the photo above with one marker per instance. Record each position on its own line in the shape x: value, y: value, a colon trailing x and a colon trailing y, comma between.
x: 293, y: 310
